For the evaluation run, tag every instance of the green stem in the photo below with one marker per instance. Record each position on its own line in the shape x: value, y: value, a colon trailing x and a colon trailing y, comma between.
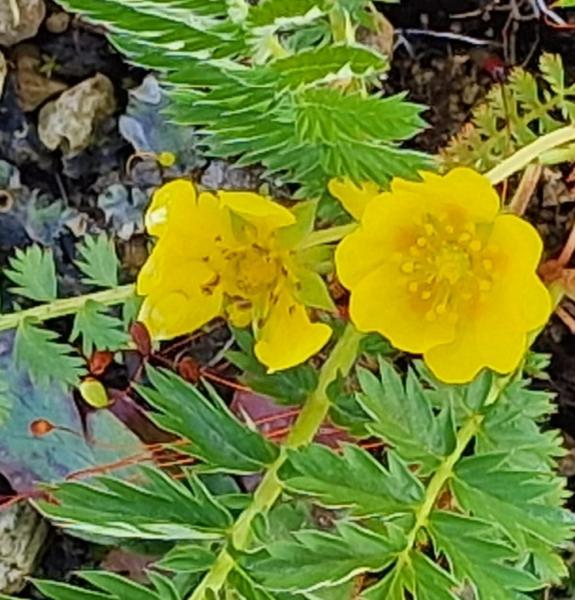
x: 445, y: 471
x: 523, y: 157
x: 327, y: 236
x: 66, y: 306
x: 308, y: 422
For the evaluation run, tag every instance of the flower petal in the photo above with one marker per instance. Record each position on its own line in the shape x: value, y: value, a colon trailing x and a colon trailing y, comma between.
x: 462, y: 188
x: 172, y: 266
x: 518, y: 242
x: 380, y: 302
x: 288, y: 337
x: 169, y: 314
x: 518, y: 294
x: 354, y: 198
x: 485, y: 343
x: 173, y: 202
x: 257, y: 209
x: 388, y: 226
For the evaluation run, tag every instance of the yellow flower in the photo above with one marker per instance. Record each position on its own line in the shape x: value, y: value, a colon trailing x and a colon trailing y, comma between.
x: 437, y: 268
x: 354, y: 198
x: 232, y: 254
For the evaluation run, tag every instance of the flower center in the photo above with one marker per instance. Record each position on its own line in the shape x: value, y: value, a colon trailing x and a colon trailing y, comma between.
x: 447, y: 268
x: 452, y: 263
x: 251, y: 271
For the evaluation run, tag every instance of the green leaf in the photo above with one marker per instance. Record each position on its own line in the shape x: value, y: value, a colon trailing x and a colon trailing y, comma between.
x: 317, y: 64
x: 109, y: 586
x: 64, y: 591
x: 431, y: 582
x: 314, y: 559
x: 34, y: 272
x: 402, y: 415
x: 475, y: 554
x: 177, y: 29
x: 278, y: 13
x: 511, y: 426
x: 324, y: 115
x: 46, y: 359
x: 519, y: 502
x: 424, y: 579
x: 312, y: 291
x: 293, y: 235
x: 214, y: 433
x: 245, y: 588
x: 6, y: 399
x: 353, y: 479
x: 287, y: 387
x: 98, y: 330
x: 159, y: 508
x: 187, y: 558
x: 98, y: 261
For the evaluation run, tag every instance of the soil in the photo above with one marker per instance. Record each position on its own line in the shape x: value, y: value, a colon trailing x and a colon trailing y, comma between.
x: 448, y: 75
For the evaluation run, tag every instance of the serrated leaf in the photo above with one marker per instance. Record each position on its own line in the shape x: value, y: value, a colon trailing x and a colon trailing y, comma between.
x: 109, y: 586
x: 511, y: 426
x: 353, y: 480
x: 47, y: 360
x: 214, y: 433
x: 476, y: 554
x: 419, y: 576
x: 326, y: 62
x: 158, y: 508
x: 519, y: 502
x: 187, y: 558
x: 98, y: 330
x: 180, y: 28
x: 277, y: 13
x: 245, y: 588
x: 98, y: 261
x: 403, y: 416
x: 288, y: 387
x: 34, y: 272
x: 314, y: 559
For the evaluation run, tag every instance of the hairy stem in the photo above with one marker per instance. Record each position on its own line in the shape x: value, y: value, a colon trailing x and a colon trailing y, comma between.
x: 309, y: 421
x: 523, y: 157
x: 437, y: 483
x: 66, y: 306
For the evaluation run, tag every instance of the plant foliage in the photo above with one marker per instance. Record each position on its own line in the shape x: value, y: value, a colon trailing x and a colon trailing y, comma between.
x: 464, y: 496
x: 515, y: 114
x: 43, y: 352
x: 282, y: 83
x: 98, y: 261
x: 97, y: 329
x: 34, y: 272
x: 45, y: 357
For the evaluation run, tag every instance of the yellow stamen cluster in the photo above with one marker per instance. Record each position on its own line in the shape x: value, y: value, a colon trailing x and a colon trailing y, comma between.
x: 446, y: 266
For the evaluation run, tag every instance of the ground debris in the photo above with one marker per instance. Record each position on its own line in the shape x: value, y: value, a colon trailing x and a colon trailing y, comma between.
x: 3, y: 72
x: 22, y: 536
x: 70, y: 121
x: 20, y: 20
x: 33, y: 87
